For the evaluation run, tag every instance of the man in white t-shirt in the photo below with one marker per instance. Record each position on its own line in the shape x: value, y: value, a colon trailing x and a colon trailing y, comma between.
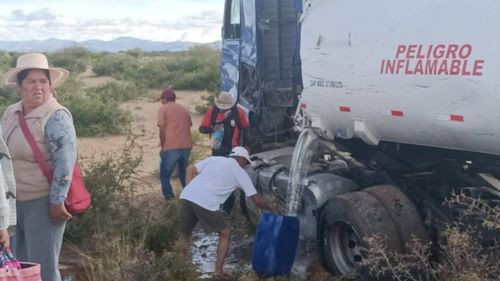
x: 210, y: 182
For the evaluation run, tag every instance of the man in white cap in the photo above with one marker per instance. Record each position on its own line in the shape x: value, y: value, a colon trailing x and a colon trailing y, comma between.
x: 210, y: 182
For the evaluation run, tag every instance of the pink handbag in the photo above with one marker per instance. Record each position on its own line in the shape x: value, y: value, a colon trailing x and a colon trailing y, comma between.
x: 28, y: 272
x: 13, y: 270
x: 78, y: 197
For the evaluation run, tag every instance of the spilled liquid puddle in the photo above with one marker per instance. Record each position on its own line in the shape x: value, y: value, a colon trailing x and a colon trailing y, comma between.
x: 204, y: 252
x: 239, y: 256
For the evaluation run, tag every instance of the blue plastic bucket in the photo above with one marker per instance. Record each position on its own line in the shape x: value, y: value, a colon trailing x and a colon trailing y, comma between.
x: 275, y: 244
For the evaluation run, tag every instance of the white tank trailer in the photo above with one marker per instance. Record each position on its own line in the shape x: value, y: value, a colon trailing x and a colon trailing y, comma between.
x: 396, y: 105
x: 417, y: 72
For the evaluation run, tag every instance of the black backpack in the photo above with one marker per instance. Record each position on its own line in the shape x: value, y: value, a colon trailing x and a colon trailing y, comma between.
x: 235, y: 115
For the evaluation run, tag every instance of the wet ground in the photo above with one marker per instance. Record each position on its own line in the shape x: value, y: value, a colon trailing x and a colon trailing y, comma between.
x: 239, y: 257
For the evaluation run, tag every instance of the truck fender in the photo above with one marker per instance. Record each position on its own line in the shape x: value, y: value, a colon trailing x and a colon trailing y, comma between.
x: 322, y: 187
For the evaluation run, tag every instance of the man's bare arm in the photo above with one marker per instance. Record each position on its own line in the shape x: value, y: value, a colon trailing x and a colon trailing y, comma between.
x: 191, y: 172
x: 263, y: 204
x: 162, y: 137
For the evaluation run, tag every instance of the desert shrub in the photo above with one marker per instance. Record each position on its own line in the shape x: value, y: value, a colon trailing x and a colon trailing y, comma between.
x: 115, y: 65
x: 461, y: 255
x: 128, y: 237
x: 195, y: 69
x: 199, y: 151
x: 6, y: 61
x: 92, y: 117
x: 153, y: 74
x: 74, y: 59
x: 70, y: 88
x: 120, y: 258
x: 135, y: 53
x: 117, y: 209
x: 479, y: 209
x: 207, y: 102
x: 460, y: 258
x: 114, y: 92
x: 7, y: 97
x: 110, y: 182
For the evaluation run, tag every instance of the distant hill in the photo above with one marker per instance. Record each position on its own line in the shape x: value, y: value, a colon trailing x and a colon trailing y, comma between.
x: 116, y: 45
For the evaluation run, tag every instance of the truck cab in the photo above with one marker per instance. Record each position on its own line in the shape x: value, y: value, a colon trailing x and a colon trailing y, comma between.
x: 260, y: 64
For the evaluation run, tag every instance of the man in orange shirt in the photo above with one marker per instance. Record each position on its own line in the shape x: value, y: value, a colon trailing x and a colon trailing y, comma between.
x: 175, y: 141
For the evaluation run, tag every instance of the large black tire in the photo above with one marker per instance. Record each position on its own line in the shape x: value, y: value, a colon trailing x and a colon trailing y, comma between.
x: 344, y: 223
x: 347, y: 220
x: 402, y: 212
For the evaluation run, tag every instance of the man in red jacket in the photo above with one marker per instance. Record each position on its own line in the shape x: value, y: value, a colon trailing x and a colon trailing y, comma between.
x: 225, y: 122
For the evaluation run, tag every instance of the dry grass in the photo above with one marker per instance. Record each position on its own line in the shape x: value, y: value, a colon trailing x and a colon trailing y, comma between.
x: 459, y: 256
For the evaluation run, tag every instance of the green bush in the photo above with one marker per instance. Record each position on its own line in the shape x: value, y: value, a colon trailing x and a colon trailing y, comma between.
x: 152, y: 74
x: 95, y: 115
x: 5, y: 62
x: 195, y: 69
x: 92, y: 117
x: 74, y: 59
x: 70, y: 88
x: 115, y: 65
x: 207, y: 102
x: 122, y: 258
x: 128, y: 237
x: 135, y: 53
x: 110, y: 183
x: 115, y: 92
x: 7, y: 97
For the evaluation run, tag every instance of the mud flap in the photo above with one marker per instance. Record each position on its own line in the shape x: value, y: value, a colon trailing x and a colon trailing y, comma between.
x: 275, y: 244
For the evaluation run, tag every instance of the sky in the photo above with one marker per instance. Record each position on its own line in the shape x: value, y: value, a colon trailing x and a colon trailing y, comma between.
x: 79, y: 20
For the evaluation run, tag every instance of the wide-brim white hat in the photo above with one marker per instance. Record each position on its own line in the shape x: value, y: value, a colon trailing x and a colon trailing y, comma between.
x: 35, y: 61
x: 224, y: 101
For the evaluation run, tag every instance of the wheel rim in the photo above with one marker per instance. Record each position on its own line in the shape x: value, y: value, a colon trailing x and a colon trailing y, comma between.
x: 345, y: 248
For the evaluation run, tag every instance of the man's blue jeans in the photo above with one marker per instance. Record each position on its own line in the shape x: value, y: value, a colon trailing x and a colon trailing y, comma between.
x: 169, y: 159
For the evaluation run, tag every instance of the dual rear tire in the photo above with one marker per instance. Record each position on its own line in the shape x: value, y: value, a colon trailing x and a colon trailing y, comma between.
x: 347, y: 220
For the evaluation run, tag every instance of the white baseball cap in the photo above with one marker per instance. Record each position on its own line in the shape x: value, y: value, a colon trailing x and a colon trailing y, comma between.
x: 242, y: 152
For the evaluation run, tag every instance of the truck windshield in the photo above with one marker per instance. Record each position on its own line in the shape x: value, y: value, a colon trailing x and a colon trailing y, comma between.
x: 232, y: 19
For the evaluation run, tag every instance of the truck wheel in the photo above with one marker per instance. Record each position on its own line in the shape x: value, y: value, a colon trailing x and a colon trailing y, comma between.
x: 402, y: 212
x: 348, y: 219
x: 344, y: 222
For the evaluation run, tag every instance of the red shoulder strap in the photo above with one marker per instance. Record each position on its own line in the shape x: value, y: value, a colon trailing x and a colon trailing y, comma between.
x: 34, y: 147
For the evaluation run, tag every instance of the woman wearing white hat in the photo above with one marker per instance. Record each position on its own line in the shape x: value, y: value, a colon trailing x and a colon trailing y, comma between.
x: 41, y: 215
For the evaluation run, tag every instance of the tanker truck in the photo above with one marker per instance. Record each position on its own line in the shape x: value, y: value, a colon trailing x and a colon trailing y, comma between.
x: 366, y: 116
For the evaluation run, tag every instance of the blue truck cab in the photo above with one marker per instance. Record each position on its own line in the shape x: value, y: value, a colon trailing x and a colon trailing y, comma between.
x: 260, y: 63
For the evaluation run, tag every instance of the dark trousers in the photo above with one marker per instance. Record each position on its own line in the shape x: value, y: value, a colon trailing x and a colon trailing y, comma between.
x: 222, y: 151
